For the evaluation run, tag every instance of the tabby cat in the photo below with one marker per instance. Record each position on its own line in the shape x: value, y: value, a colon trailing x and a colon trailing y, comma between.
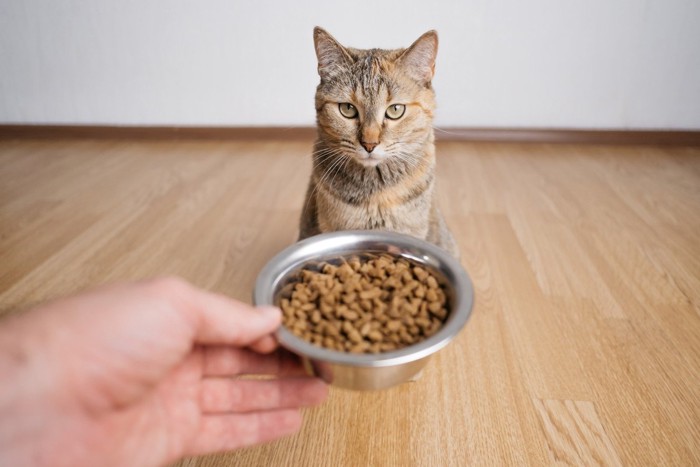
x: 374, y: 159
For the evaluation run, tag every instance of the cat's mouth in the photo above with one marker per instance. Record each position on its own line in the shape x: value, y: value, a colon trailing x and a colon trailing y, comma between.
x: 370, y: 159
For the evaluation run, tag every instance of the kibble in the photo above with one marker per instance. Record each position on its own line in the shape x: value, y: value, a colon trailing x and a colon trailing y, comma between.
x: 372, y: 304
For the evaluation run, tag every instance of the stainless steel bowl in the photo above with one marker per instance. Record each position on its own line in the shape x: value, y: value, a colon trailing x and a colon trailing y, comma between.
x: 368, y: 371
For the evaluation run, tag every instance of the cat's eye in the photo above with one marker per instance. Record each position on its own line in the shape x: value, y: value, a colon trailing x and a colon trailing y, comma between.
x: 347, y: 110
x: 395, y: 111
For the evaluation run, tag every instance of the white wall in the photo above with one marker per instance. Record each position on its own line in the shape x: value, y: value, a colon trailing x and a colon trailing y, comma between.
x: 511, y: 63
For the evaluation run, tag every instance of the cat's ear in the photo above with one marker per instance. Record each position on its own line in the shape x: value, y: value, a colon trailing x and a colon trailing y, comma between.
x: 419, y: 59
x: 332, y: 57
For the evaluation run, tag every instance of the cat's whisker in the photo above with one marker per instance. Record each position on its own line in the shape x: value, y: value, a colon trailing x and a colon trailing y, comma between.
x: 320, y: 156
x: 323, y: 148
x: 324, y: 154
x: 326, y: 174
x: 446, y: 131
x: 340, y: 167
x: 410, y: 159
x: 392, y: 145
x: 325, y: 157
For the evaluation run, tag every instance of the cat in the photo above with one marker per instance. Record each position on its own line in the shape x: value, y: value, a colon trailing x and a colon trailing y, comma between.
x: 374, y: 158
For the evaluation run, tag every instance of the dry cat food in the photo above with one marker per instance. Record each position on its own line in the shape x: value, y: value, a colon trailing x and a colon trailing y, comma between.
x: 372, y: 304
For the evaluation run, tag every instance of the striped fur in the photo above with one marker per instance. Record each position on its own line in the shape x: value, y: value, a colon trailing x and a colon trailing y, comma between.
x: 391, y: 186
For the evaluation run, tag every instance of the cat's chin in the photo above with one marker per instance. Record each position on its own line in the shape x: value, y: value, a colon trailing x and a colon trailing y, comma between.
x: 370, y: 161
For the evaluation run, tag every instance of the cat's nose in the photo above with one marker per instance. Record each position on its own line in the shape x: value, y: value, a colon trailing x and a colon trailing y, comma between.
x: 369, y: 146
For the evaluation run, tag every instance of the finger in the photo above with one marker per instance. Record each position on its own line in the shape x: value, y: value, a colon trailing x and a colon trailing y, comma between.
x: 232, y: 361
x: 218, y: 319
x: 265, y: 344
x: 247, y: 395
x: 233, y: 431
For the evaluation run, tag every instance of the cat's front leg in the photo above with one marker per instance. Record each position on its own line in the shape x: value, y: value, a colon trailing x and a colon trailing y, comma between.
x: 439, y: 233
x: 308, y: 222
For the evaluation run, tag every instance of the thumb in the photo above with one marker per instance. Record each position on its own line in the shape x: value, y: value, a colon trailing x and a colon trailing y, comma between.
x: 221, y: 320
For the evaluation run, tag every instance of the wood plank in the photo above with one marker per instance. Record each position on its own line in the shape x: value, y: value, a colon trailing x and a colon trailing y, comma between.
x: 575, y: 434
x: 583, y: 347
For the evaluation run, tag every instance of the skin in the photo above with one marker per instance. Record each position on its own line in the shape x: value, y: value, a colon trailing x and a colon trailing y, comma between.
x: 143, y: 374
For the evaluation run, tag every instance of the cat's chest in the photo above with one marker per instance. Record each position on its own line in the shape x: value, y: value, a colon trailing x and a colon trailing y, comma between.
x: 400, y: 205
x: 370, y: 216
x: 411, y: 217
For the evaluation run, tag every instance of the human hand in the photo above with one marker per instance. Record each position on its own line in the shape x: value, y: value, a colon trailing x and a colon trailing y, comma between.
x: 140, y: 374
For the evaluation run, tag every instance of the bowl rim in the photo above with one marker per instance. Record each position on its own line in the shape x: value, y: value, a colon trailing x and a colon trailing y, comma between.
x: 407, y: 246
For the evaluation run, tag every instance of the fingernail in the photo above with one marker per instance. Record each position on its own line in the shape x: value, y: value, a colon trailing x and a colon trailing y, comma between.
x: 270, y: 311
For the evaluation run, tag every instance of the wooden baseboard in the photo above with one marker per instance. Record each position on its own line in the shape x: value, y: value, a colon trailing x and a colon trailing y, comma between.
x: 154, y: 132
x: 500, y: 135
x: 567, y: 136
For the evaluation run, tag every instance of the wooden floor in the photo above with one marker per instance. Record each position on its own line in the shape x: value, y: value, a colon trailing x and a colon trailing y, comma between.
x: 584, y: 344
